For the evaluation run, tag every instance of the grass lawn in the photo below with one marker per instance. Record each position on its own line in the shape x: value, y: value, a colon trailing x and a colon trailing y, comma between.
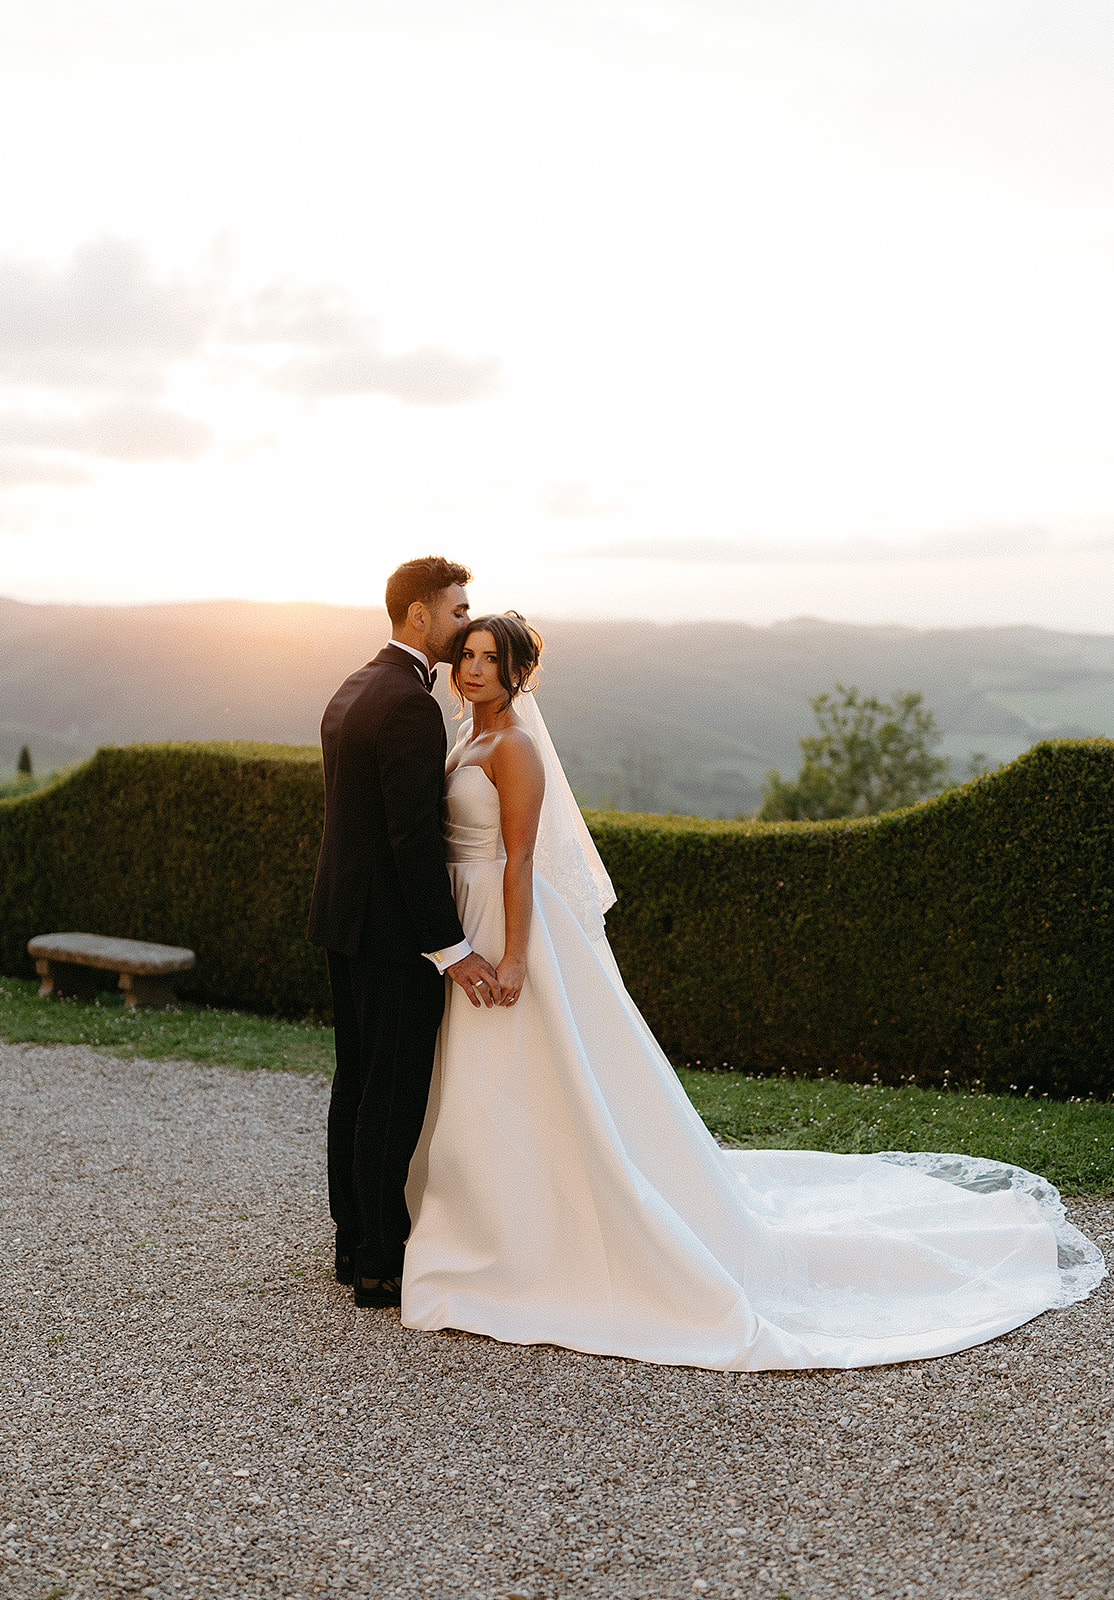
x: 1071, y: 1143
x: 188, y: 1033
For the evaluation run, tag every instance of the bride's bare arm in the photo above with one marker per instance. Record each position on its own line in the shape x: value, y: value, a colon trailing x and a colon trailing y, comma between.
x: 519, y: 777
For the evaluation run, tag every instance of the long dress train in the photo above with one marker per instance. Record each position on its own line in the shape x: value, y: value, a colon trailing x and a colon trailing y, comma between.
x: 566, y: 1192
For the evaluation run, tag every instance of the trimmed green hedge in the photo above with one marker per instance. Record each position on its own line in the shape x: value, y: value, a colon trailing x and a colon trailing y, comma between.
x: 967, y: 939
x: 212, y: 846
x: 964, y: 940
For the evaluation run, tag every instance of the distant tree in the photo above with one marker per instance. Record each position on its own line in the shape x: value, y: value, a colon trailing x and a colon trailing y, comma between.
x: 23, y: 765
x: 867, y: 757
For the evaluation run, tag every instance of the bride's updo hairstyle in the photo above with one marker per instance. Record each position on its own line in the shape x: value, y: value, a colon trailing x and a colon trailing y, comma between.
x: 518, y: 651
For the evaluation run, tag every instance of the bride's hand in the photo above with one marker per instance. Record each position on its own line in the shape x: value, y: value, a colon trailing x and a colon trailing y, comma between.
x: 512, y: 975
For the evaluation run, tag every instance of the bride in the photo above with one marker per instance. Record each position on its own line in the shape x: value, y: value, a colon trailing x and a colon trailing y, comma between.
x: 564, y: 1190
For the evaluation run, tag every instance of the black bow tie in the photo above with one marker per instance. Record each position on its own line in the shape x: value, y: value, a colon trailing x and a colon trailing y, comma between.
x: 428, y: 678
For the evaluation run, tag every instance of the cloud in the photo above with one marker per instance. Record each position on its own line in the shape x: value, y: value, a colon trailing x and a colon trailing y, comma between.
x: 134, y: 431
x: 104, y: 332
x: 577, y: 500
x: 101, y: 321
x: 105, y: 322
x: 970, y: 544
x: 975, y: 544
x: 20, y: 470
x: 426, y: 377
x: 340, y: 351
x: 289, y: 313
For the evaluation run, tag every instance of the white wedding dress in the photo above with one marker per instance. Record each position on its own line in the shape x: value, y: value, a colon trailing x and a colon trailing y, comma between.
x: 566, y: 1192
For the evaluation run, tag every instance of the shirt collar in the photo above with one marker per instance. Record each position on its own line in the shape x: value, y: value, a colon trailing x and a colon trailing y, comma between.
x: 410, y: 651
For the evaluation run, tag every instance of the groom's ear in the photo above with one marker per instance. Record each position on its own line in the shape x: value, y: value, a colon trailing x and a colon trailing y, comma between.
x: 417, y: 615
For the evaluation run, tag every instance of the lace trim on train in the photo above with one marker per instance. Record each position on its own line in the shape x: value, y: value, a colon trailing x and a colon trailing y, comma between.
x: 1081, y: 1263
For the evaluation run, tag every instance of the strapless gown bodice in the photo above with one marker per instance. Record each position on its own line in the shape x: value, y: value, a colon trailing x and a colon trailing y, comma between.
x: 470, y: 813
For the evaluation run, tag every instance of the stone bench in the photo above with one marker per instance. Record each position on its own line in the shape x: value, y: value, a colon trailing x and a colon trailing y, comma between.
x: 67, y: 963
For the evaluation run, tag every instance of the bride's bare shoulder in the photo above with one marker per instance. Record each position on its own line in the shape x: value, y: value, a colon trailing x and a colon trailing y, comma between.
x: 516, y: 752
x: 518, y: 743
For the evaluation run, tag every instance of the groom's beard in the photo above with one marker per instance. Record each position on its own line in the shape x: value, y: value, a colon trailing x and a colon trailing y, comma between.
x: 441, y: 647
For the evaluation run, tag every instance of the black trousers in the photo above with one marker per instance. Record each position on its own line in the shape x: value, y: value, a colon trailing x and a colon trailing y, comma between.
x: 386, y: 1020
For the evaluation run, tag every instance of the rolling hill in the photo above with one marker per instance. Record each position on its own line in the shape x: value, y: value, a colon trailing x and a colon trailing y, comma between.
x: 657, y: 717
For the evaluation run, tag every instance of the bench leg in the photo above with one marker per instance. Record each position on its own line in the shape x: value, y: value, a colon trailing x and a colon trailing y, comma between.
x: 66, y: 979
x: 140, y: 990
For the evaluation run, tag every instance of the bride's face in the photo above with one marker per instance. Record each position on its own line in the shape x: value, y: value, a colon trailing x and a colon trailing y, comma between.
x: 479, y: 670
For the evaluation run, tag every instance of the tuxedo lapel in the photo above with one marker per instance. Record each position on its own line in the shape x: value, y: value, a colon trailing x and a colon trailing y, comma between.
x: 418, y: 669
x: 382, y: 864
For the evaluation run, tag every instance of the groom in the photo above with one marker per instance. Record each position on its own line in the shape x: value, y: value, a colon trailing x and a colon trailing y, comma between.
x: 383, y: 909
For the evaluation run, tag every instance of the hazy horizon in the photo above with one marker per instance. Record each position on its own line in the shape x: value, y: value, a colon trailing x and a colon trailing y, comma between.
x: 802, y: 619
x: 679, y: 716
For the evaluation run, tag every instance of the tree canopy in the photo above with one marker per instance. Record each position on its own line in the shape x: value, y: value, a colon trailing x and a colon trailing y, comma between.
x: 868, y: 756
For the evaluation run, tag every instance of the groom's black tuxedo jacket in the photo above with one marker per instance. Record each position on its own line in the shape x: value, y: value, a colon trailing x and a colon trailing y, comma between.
x: 381, y: 884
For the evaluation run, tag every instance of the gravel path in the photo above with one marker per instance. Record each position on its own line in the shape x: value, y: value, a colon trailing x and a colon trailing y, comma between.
x: 192, y: 1407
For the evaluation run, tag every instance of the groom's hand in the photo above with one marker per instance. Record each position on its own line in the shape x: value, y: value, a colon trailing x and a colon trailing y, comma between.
x: 477, y: 978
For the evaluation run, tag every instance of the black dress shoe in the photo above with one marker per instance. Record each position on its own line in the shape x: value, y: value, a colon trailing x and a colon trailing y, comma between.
x: 345, y: 1270
x: 378, y: 1292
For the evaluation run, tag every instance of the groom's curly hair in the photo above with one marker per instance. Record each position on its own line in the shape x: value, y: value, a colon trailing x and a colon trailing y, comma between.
x: 518, y: 649
x: 422, y: 579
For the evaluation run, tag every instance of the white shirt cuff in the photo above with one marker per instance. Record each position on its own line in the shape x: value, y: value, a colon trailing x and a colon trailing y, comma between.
x: 444, y: 959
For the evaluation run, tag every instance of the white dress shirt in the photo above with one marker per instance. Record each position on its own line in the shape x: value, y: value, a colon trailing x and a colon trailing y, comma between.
x: 423, y: 660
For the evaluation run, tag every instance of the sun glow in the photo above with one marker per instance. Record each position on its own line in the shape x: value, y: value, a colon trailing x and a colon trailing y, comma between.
x: 667, y: 308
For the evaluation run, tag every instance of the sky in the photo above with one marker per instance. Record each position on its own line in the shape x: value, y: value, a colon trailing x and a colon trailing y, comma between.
x: 739, y: 309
